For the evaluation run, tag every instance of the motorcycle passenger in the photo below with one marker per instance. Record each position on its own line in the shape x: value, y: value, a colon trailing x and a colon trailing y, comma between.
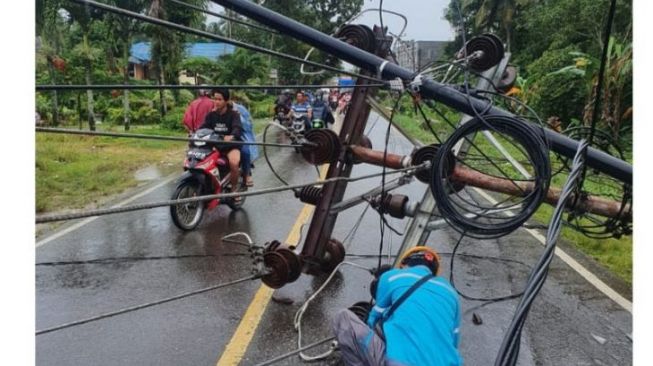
x: 248, y: 153
x: 303, y: 108
x: 225, y: 121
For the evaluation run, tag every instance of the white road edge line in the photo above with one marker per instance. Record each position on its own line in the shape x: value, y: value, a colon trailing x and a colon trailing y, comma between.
x: 91, y: 219
x: 584, y: 272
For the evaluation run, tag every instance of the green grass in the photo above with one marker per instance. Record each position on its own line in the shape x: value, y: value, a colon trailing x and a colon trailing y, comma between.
x: 76, y: 171
x: 614, y: 254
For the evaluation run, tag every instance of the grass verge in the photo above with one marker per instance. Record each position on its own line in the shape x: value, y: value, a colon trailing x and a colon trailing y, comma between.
x: 77, y: 171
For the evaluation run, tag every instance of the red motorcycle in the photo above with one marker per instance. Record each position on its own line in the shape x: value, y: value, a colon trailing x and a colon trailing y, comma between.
x: 206, y: 172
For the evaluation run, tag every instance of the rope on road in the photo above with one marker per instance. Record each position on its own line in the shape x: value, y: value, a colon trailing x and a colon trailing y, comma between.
x: 292, y: 353
x: 146, y: 305
x: 113, y: 210
x: 300, y: 313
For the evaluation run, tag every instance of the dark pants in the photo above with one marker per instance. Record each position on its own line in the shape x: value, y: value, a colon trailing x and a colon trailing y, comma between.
x: 245, y: 161
x: 359, y: 344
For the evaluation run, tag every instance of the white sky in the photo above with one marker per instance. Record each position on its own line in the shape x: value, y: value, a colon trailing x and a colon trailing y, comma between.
x: 425, y: 18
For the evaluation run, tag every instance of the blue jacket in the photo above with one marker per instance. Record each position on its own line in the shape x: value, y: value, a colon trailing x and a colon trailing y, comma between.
x: 248, y: 131
x: 424, y: 329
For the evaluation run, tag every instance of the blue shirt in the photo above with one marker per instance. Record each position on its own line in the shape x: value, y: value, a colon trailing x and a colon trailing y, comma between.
x: 301, y: 108
x: 424, y: 329
x: 247, y: 131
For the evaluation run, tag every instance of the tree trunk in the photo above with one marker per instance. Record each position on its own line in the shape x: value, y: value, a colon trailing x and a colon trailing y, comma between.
x: 79, y: 110
x: 125, y: 74
x: 89, y: 92
x: 162, y: 80
x: 55, y: 96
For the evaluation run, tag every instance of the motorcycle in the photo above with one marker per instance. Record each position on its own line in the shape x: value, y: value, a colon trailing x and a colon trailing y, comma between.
x: 206, y: 172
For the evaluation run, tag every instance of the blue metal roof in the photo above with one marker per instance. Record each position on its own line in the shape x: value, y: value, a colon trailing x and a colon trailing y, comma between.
x: 140, y: 52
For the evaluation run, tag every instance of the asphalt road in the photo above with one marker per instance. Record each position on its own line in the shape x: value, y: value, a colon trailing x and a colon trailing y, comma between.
x: 570, y: 323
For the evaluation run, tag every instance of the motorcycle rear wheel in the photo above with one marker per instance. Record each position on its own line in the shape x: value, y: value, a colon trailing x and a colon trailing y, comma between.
x: 187, y: 216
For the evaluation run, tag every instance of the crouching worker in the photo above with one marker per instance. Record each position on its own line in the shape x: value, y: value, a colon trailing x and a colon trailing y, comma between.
x: 415, y: 319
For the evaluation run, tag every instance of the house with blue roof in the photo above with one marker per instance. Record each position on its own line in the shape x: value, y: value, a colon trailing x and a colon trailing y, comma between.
x: 140, y: 57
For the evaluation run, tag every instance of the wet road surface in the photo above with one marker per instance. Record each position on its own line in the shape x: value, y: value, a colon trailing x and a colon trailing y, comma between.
x: 570, y: 323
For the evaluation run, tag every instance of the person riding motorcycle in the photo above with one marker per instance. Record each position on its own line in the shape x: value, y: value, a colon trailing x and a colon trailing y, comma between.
x: 302, y: 108
x: 321, y: 110
x: 225, y: 121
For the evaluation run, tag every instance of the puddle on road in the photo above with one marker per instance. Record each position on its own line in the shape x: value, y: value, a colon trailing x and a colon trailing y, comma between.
x: 148, y: 173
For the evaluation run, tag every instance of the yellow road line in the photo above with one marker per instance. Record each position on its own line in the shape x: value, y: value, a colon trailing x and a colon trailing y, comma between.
x: 239, y: 342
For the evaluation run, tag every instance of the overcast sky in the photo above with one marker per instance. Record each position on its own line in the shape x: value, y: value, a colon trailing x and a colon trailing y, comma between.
x: 425, y: 18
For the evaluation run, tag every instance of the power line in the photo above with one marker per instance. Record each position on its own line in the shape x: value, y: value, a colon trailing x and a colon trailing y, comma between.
x: 235, y: 20
x: 197, y: 32
x: 107, y: 211
x: 190, y: 87
x: 146, y: 305
x: 168, y: 138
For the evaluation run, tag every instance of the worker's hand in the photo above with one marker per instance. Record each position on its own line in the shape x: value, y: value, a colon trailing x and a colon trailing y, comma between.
x: 229, y: 138
x: 377, y: 274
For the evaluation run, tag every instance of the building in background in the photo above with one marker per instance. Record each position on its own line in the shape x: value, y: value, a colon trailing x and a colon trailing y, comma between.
x: 415, y: 55
x: 140, y: 58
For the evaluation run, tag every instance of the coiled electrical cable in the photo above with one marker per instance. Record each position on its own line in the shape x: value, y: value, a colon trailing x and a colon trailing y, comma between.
x: 456, y: 214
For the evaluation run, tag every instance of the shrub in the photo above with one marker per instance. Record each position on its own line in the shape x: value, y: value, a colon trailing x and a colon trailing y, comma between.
x: 173, y: 119
x: 146, y: 115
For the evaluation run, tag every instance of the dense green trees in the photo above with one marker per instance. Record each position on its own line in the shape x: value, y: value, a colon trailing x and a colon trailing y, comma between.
x: 557, y: 45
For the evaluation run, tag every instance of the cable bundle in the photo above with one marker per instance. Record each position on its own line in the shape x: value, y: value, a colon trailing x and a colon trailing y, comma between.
x: 468, y: 216
x: 509, y: 350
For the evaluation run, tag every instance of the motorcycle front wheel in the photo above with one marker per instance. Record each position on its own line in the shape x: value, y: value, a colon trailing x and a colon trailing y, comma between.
x: 187, y: 216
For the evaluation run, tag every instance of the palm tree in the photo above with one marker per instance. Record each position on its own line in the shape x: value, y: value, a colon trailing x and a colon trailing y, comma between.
x: 123, y: 29
x: 83, y: 17
x: 494, y: 15
x: 48, y: 29
x: 167, y: 45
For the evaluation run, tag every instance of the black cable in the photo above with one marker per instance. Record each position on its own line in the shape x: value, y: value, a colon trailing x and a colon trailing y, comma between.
x: 111, y: 260
x: 235, y: 20
x: 146, y: 305
x: 267, y: 159
x: 473, y: 298
x: 188, y: 87
x: 509, y: 349
x: 526, y: 137
x: 381, y: 15
x: 161, y: 137
x: 107, y: 211
x: 599, y: 85
x: 178, y: 27
x: 383, y: 173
